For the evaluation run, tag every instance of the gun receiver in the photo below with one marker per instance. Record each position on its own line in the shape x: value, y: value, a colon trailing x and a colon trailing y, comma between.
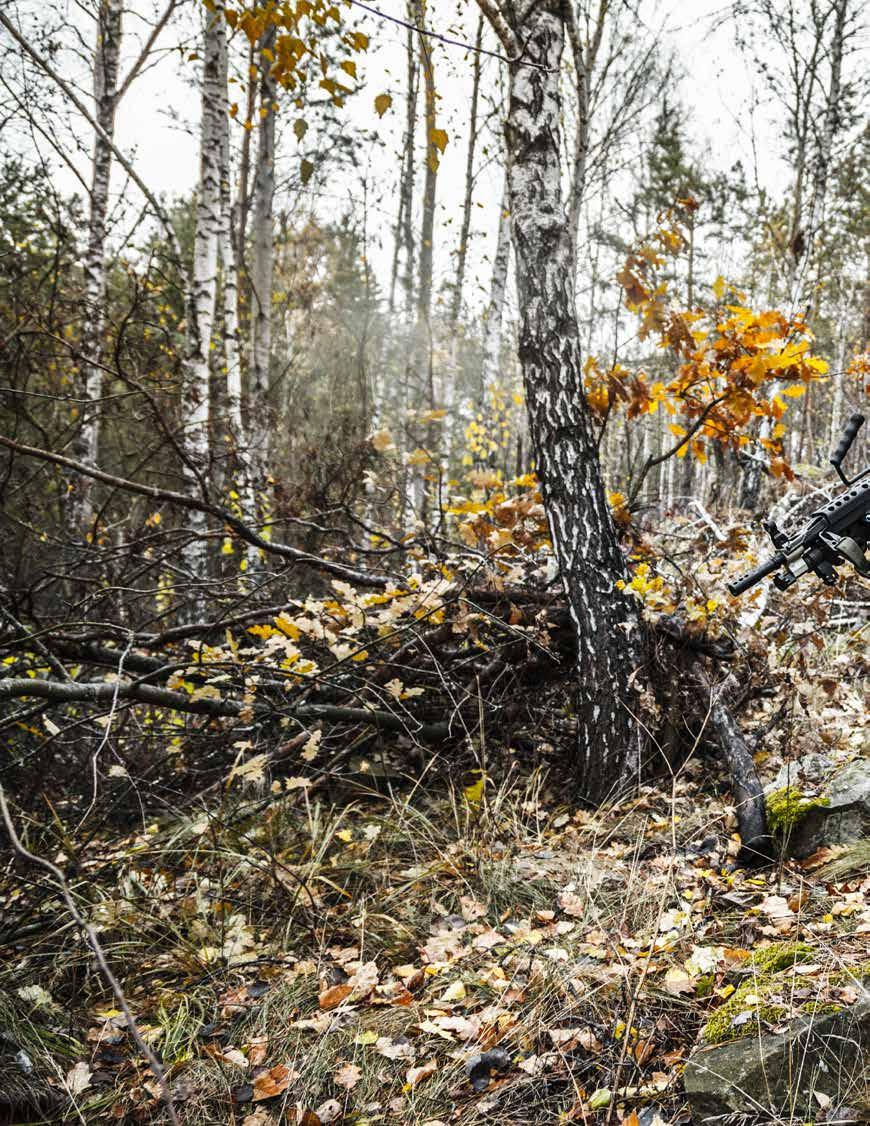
x: 834, y: 534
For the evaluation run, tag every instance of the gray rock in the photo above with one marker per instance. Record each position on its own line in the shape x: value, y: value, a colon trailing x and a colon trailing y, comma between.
x: 779, y: 1074
x: 846, y: 789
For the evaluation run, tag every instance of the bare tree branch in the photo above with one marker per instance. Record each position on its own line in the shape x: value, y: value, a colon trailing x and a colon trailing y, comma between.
x: 192, y: 504
x: 156, y: 1067
x: 68, y: 92
x: 501, y: 27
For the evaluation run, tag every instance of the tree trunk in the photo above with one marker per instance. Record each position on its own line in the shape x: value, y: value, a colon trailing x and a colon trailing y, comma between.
x: 404, y: 237
x: 236, y: 431
x: 564, y: 443
x: 495, y: 306
x: 263, y: 267
x: 423, y: 332
x: 584, y: 57
x: 203, y: 288
x: 462, y: 256
x: 85, y: 446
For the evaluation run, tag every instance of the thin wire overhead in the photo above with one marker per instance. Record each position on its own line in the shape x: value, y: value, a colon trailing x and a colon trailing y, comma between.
x: 443, y: 38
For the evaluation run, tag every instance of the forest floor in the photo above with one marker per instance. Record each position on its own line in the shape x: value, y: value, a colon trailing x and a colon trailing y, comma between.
x: 315, y: 956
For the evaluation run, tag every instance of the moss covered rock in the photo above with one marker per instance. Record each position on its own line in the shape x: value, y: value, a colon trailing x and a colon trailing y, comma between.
x: 756, y: 1002
x: 814, y: 802
x: 780, y: 1074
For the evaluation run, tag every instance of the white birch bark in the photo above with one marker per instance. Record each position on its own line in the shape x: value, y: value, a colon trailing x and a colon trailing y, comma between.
x: 237, y: 434
x: 423, y: 366
x: 203, y: 289
x: 564, y: 441
x: 85, y: 446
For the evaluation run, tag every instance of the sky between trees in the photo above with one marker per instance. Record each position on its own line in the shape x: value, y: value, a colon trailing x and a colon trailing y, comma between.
x: 727, y: 113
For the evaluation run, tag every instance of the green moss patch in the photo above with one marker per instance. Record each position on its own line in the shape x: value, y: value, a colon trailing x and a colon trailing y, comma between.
x: 780, y: 956
x: 754, y: 1003
x: 786, y: 807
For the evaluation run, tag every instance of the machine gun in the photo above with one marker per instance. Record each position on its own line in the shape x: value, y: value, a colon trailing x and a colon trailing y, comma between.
x: 836, y: 533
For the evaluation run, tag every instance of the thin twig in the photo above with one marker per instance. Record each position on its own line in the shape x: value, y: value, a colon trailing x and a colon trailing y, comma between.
x: 154, y: 1063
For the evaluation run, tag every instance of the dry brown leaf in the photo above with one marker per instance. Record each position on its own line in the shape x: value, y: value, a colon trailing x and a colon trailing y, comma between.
x: 333, y: 997
x: 571, y: 903
x: 259, y: 1117
x: 330, y: 1111
x: 273, y: 1082
x: 347, y: 1076
x: 364, y: 980
x: 398, y: 1049
x: 415, y: 1075
x: 643, y: 1051
x: 78, y: 1078
x: 258, y: 1050
x: 589, y: 1041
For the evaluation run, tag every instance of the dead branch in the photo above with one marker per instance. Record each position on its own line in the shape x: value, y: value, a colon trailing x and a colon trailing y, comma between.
x: 193, y: 504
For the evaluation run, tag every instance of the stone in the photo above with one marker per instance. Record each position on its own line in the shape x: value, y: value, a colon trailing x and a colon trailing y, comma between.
x: 779, y: 1074
x: 822, y: 803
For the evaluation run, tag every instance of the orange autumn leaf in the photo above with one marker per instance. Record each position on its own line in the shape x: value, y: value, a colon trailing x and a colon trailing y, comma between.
x: 333, y: 997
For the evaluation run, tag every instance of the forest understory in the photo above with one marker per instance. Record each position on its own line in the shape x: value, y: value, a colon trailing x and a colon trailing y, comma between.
x: 433, y: 567
x: 408, y: 915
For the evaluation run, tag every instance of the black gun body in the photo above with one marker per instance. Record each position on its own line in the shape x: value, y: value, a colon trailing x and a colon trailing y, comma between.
x: 838, y: 532
x: 818, y: 547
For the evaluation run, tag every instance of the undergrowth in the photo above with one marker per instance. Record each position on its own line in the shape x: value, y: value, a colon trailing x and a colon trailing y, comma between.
x: 285, y: 955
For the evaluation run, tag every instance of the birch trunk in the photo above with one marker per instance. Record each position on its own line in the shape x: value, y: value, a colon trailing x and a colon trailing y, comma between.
x: 590, y: 560
x: 263, y: 268
x: 404, y: 237
x: 423, y: 332
x: 236, y: 431
x: 584, y: 58
x: 85, y: 446
x: 203, y: 289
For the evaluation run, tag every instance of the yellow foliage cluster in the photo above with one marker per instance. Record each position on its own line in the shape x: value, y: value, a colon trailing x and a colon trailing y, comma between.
x: 735, y: 364
x: 296, y: 54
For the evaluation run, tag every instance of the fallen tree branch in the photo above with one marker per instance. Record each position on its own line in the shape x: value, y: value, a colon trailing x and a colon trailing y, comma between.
x: 156, y: 1067
x: 100, y: 692
x: 756, y: 842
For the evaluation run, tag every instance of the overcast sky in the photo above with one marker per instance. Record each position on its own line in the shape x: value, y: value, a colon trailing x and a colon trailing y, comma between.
x: 157, y: 118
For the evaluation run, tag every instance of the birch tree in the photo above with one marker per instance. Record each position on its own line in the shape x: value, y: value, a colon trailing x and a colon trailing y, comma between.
x: 105, y: 77
x: 236, y: 429
x: 203, y: 284
x: 494, y: 315
x: 423, y: 332
x: 107, y: 95
x: 465, y: 229
x: 404, y: 233
x: 564, y: 442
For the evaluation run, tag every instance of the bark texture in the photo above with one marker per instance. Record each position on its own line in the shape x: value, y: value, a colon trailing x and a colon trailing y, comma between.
x: 106, y: 59
x: 235, y: 430
x: 404, y: 236
x: 203, y: 287
x: 465, y: 231
x: 565, y: 446
x: 263, y: 266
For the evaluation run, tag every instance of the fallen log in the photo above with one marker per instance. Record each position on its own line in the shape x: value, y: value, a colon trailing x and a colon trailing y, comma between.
x: 756, y: 842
